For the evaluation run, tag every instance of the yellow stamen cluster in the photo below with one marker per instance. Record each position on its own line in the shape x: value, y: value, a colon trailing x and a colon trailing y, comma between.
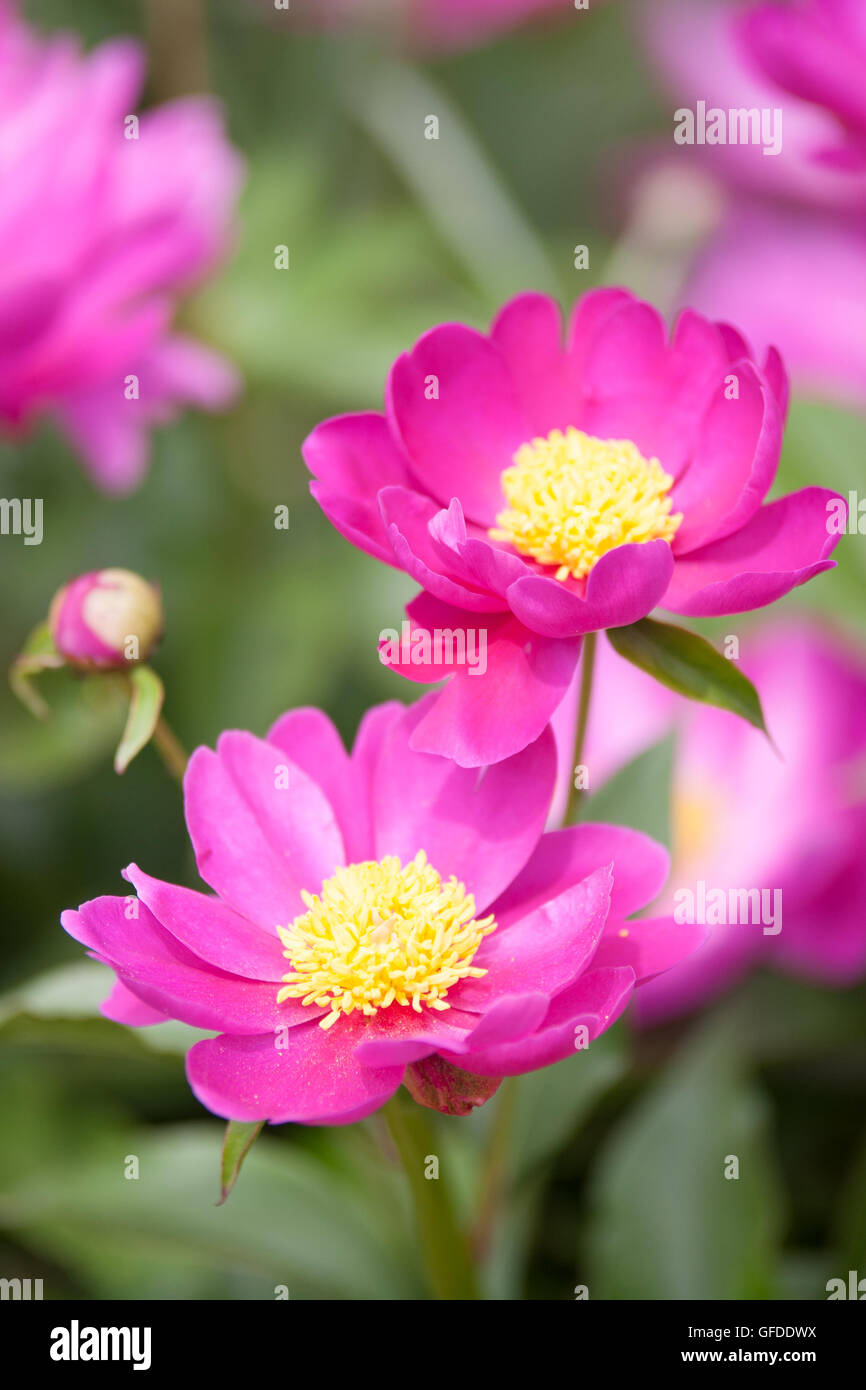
x: 572, y: 497
x: 381, y: 934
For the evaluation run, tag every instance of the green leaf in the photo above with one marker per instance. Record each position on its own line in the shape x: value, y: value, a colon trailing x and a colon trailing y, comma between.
x: 239, y: 1139
x: 552, y: 1102
x: 59, y: 1011
x: 851, y: 1220
x: 295, y: 1221
x: 666, y: 1222
x: 690, y: 665
x: 39, y: 654
x: 144, y: 710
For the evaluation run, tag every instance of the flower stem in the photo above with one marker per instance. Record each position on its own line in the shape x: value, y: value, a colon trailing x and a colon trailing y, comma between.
x: 445, y: 1247
x: 170, y: 749
x: 587, y: 666
x: 495, y: 1176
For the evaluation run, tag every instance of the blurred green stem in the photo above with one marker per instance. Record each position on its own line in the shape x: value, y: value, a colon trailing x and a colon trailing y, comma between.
x: 587, y: 666
x: 170, y: 749
x: 444, y: 1245
x: 486, y: 229
x: 494, y: 1177
x: 177, y: 39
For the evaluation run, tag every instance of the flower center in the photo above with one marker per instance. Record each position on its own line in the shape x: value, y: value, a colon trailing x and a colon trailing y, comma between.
x: 572, y: 497
x: 696, y: 823
x: 381, y: 934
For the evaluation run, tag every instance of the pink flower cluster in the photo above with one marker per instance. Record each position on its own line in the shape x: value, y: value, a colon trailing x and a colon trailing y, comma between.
x: 106, y: 218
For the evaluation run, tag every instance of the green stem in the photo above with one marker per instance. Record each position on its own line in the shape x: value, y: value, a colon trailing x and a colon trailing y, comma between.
x: 494, y: 1177
x: 177, y: 39
x: 587, y: 666
x: 444, y: 1244
x: 170, y: 749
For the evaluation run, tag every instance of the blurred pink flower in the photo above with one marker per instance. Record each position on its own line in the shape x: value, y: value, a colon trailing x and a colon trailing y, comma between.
x: 816, y: 50
x: 540, y: 486
x: 788, y: 260
x: 745, y: 817
x: 458, y: 931
x: 100, y: 233
x: 790, y: 276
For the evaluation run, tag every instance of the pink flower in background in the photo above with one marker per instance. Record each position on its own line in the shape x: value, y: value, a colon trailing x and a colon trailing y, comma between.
x: 458, y: 931
x: 99, y: 235
x: 538, y: 491
x: 790, y: 277
x: 816, y: 50
x: 745, y: 817
x: 786, y: 263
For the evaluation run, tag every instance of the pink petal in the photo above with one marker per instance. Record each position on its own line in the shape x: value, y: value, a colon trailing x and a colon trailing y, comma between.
x: 529, y: 333
x: 314, y: 1080
x: 407, y: 518
x: 155, y: 966
x: 735, y: 461
x: 545, y: 951
x: 480, y: 826
x: 258, y: 843
x: 650, y: 946
x: 460, y: 443
x: 482, y: 718
x: 566, y: 857
x: 785, y: 544
x: 352, y: 457
x: 122, y: 1006
x: 622, y: 587
x: 310, y: 742
x: 211, y: 930
x: 594, y: 1002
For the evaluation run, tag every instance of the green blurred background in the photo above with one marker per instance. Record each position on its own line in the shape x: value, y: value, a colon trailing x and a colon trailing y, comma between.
x: 614, y: 1180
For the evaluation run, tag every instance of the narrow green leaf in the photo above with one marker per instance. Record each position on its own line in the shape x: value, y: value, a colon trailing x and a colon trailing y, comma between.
x: 685, y: 1199
x: 690, y: 665
x: 239, y: 1139
x: 144, y: 710
x: 39, y: 654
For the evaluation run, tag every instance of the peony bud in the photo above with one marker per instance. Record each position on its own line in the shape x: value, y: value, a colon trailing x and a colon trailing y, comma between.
x: 106, y: 618
x: 440, y: 1086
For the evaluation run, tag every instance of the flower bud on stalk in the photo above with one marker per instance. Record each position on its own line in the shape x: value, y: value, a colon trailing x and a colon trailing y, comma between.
x: 106, y: 618
x: 102, y: 623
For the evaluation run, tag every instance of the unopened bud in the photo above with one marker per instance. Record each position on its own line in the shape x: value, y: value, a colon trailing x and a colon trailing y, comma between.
x: 106, y: 618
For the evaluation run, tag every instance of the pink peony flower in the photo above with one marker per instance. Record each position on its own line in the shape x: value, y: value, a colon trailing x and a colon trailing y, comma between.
x: 816, y: 50
x: 106, y: 618
x: 787, y: 261
x: 702, y: 53
x: 789, y: 276
x: 745, y: 817
x: 538, y: 492
x: 102, y: 227
x: 375, y: 910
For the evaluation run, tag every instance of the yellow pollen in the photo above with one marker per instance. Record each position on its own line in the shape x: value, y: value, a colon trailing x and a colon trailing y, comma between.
x: 572, y: 497
x: 380, y: 934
